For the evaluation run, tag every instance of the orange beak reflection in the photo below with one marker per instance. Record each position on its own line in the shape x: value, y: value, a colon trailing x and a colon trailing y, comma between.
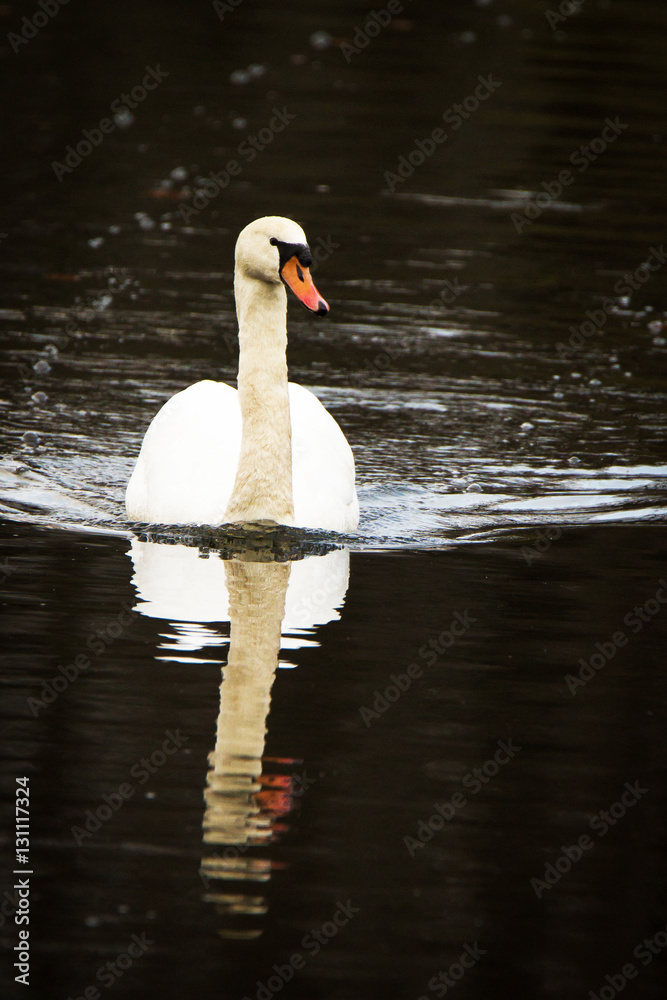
x: 298, y: 278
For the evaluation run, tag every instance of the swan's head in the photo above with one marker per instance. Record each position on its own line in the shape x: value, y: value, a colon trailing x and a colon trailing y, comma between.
x: 274, y: 249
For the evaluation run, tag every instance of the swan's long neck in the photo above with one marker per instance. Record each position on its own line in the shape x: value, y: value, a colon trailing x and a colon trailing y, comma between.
x: 263, y: 485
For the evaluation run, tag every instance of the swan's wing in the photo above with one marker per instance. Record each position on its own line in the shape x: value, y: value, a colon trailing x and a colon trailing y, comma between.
x: 188, y: 460
x: 322, y: 466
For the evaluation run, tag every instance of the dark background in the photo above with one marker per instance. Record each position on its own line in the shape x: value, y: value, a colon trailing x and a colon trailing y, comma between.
x: 471, y: 435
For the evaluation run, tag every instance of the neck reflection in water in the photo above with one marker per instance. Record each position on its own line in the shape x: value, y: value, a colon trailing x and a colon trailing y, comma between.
x: 273, y: 596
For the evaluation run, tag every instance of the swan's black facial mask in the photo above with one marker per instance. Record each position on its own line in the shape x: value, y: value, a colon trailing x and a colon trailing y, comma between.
x: 288, y: 250
x: 295, y: 261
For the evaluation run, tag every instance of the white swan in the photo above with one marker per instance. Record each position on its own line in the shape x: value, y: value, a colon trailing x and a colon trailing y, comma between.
x: 269, y: 452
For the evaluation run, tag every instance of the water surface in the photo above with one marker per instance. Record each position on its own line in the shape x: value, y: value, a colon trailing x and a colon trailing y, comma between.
x: 512, y: 481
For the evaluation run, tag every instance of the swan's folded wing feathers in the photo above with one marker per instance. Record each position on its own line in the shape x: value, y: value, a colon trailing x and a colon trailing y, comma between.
x: 186, y: 468
x: 187, y: 465
x: 322, y: 466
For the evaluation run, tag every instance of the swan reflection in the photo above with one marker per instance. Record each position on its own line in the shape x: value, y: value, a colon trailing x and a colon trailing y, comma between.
x: 272, y: 604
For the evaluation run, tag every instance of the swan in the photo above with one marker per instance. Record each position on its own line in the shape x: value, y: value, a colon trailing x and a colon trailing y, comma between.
x: 269, y: 452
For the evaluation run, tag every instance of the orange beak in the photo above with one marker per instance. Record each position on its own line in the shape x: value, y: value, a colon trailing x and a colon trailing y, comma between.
x: 297, y: 277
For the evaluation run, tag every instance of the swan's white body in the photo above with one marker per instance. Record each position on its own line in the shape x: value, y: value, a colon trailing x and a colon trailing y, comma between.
x: 270, y: 451
x: 187, y: 465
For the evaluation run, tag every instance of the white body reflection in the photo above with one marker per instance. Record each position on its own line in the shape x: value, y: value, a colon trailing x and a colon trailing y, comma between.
x: 183, y: 585
x: 270, y: 605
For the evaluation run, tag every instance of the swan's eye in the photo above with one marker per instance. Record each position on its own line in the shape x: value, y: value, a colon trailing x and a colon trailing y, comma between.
x: 286, y: 251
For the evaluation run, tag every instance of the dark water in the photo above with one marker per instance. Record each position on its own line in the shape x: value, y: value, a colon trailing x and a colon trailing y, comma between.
x: 504, y: 390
